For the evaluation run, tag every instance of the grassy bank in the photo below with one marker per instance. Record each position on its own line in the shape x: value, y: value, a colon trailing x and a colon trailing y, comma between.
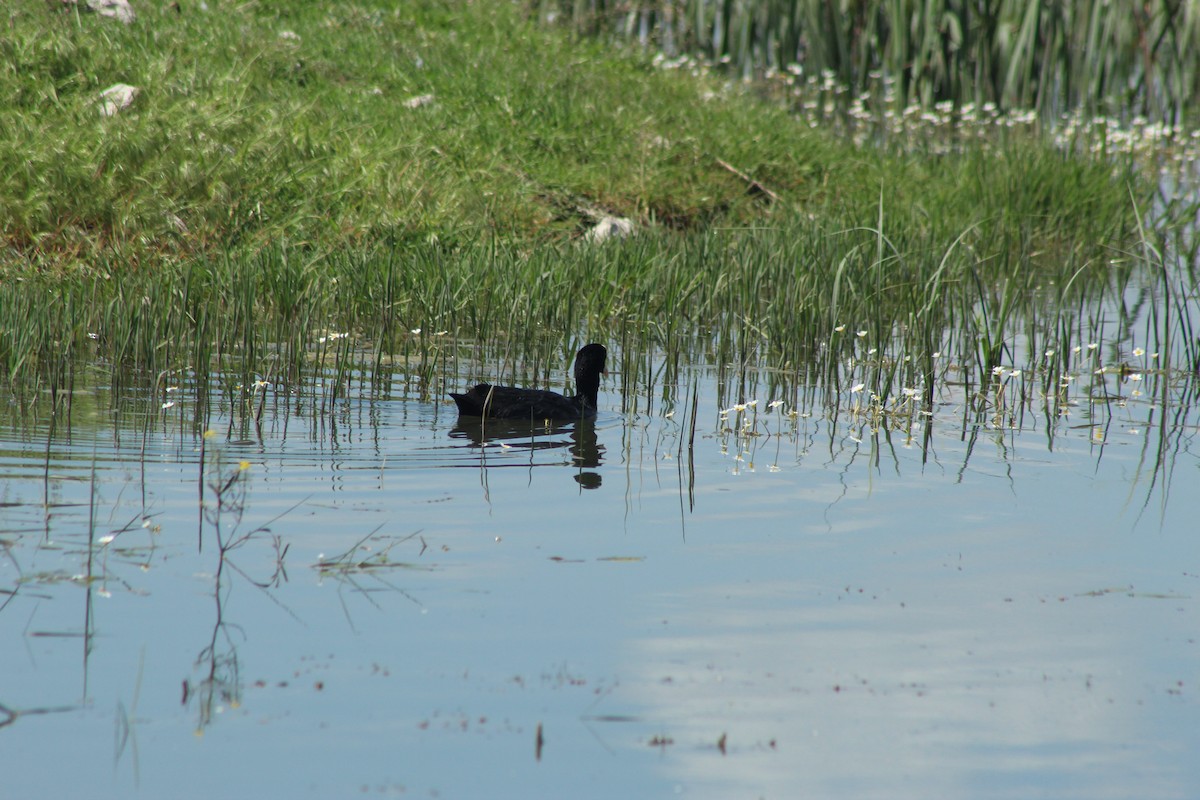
x: 277, y: 180
x: 261, y: 121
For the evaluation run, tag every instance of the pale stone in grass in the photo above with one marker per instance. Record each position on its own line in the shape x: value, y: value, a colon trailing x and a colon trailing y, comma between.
x: 611, y: 228
x: 117, y: 98
x: 419, y: 101
x: 116, y: 9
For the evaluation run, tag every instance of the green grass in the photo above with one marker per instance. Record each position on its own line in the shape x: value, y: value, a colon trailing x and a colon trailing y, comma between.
x: 241, y: 136
x: 266, y: 191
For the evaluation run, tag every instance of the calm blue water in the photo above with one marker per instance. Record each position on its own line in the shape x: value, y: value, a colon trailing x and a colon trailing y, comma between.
x: 816, y: 610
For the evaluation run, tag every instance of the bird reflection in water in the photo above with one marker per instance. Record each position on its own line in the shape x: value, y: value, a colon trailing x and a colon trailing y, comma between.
x: 577, y: 437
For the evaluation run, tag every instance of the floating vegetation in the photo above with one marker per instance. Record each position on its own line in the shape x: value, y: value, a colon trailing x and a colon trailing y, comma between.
x: 367, y: 556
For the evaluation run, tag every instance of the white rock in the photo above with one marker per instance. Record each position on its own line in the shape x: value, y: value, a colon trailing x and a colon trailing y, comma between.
x: 116, y: 98
x: 611, y: 228
x: 117, y: 9
x: 418, y: 101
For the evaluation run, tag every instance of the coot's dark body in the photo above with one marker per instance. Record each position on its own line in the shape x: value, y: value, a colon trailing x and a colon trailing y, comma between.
x: 508, y: 402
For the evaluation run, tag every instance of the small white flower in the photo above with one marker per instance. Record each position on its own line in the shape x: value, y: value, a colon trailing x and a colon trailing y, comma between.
x: 775, y: 404
x: 1138, y: 352
x: 856, y: 388
x: 909, y: 392
x: 168, y: 404
x: 1137, y: 376
x: 997, y: 370
x: 415, y: 331
x: 839, y: 329
x: 1049, y: 354
x: 861, y: 334
x: 1092, y: 345
x: 1076, y: 349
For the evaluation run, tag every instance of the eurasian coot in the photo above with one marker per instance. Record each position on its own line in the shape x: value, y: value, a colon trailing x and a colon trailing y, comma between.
x: 507, y: 402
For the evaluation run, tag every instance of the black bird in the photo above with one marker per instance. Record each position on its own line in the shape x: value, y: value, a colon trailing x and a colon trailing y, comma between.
x: 508, y: 402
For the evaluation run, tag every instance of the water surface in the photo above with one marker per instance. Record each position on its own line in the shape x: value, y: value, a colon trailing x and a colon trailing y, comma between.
x: 773, y: 604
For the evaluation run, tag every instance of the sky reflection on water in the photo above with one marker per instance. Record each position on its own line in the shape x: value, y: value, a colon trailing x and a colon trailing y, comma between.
x: 822, y: 613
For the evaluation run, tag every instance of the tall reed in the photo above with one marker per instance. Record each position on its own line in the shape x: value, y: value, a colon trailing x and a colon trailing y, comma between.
x: 1118, y: 59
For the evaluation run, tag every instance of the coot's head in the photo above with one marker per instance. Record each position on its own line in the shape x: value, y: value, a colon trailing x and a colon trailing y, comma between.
x: 591, y: 358
x: 590, y: 361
